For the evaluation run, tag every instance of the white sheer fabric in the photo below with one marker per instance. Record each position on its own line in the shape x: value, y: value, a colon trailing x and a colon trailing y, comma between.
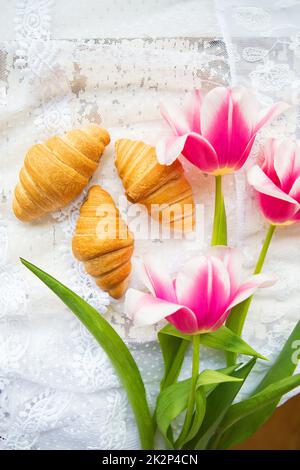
x: 58, y: 389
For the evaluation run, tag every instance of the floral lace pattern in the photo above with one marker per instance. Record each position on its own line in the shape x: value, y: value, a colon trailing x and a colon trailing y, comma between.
x: 58, y: 389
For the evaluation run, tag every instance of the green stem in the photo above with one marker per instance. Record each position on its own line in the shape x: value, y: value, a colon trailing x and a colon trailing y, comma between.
x: 192, y: 397
x: 264, y: 250
x: 238, y: 314
x: 219, y: 235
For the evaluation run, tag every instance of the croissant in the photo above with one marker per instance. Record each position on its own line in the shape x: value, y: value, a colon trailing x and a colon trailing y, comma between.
x: 56, y: 171
x: 103, y: 242
x: 149, y: 183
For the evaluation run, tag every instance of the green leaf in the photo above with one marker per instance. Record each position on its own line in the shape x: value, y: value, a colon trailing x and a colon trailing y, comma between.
x: 244, y: 409
x: 172, y: 401
x: 235, y: 323
x: 199, y: 415
x: 173, y: 349
x: 283, y: 367
x: 114, y: 347
x: 217, y: 405
x: 225, y: 340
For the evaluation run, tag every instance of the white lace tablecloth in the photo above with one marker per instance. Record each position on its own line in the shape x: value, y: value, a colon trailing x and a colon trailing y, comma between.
x: 63, y: 64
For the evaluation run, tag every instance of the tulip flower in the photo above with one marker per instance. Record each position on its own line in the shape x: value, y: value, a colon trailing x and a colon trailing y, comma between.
x: 200, y: 298
x: 277, y: 186
x: 277, y: 182
x: 215, y: 132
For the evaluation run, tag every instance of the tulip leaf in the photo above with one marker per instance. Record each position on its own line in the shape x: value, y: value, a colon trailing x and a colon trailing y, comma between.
x: 223, y: 339
x: 217, y: 405
x: 173, y: 349
x: 172, y: 400
x: 244, y: 409
x: 283, y: 367
x: 114, y: 347
x: 200, y: 409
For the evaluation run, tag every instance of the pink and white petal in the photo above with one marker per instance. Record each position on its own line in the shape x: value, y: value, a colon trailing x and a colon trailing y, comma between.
x: 241, y: 125
x: 296, y: 217
x: 276, y: 211
x: 215, y: 112
x: 200, y: 153
x: 176, y: 118
x: 245, y: 100
x: 232, y: 260
x: 272, y: 113
x: 191, y: 107
x: 295, y: 190
x: 249, y: 287
x: 169, y: 149
x: 193, y: 284
x: 220, y: 290
x: 158, y: 279
x: 184, y: 320
x: 269, y: 150
x: 144, y: 309
x: 262, y: 183
x: 284, y: 159
x: 245, y: 154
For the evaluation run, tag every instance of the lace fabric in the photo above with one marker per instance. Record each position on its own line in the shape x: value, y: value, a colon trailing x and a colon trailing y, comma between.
x: 58, y: 389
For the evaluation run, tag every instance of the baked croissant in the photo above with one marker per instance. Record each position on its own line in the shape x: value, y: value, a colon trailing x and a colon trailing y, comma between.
x: 56, y: 171
x: 103, y: 242
x: 149, y: 183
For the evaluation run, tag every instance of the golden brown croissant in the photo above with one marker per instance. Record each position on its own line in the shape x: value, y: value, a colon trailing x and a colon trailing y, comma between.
x: 56, y: 171
x: 103, y: 242
x: 149, y: 183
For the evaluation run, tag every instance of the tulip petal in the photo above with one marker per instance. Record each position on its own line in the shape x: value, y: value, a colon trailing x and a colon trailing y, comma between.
x: 272, y: 113
x: 216, y: 107
x: 200, y: 153
x: 295, y: 190
x: 191, y: 106
x: 169, y: 149
x: 232, y: 260
x: 176, y: 118
x: 241, y: 125
x: 220, y: 292
x: 193, y: 146
x: 157, y: 279
x: 245, y: 153
x: 250, y: 286
x: 144, y: 309
x: 262, y: 183
x: 276, y: 211
x: 193, y: 285
x: 286, y: 163
x: 184, y: 320
x: 269, y: 151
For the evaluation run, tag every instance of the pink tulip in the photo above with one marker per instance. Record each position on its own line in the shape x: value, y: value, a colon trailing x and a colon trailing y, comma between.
x: 277, y: 182
x: 199, y: 299
x: 215, y: 132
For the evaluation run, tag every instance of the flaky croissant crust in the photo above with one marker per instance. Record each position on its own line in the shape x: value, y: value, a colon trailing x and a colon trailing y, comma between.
x: 103, y: 242
x: 149, y: 183
x: 56, y: 171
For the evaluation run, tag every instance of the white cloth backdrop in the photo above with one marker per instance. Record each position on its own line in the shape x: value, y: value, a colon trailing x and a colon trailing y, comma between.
x: 64, y: 64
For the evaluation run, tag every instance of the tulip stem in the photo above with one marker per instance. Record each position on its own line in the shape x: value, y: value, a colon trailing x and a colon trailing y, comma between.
x: 238, y: 314
x: 219, y: 235
x: 264, y: 250
x: 192, y: 397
